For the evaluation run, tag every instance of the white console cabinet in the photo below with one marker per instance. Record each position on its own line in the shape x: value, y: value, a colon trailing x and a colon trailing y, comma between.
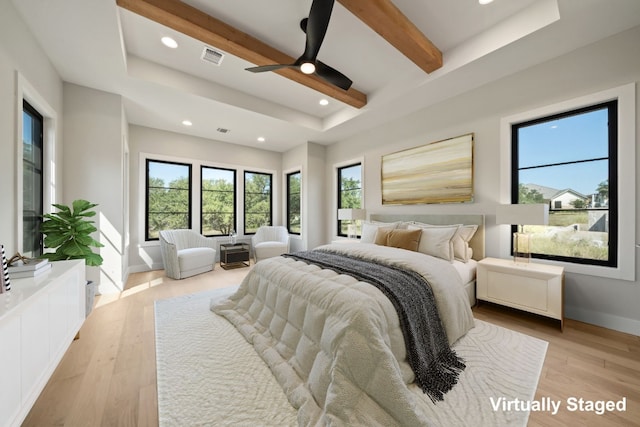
x: 532, y: 287
x: 39, y: 317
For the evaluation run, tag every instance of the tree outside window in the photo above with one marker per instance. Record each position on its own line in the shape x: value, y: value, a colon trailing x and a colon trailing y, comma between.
x: 168, y: 201
x: 218, y: 213
x: 293, y: 203
x: 257, y: 201
x: 349, y: 192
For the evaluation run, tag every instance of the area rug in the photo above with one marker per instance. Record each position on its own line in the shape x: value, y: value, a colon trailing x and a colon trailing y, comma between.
x: 209, y: 375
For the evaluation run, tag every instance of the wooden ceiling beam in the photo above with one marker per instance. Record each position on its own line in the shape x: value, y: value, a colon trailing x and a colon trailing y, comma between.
x: 197, y: 24
x: 388, y: 21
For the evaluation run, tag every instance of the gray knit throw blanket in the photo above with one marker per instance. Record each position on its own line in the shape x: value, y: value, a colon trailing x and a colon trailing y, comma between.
x: 435, y: 365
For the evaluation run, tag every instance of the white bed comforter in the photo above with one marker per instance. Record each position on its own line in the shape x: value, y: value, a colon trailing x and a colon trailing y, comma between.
x: 334, y: 344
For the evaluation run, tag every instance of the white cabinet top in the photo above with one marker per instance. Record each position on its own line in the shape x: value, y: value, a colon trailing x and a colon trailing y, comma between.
x: 22, y: 290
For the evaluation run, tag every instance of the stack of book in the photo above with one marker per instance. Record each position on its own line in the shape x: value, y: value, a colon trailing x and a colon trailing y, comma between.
x: 30, y: 268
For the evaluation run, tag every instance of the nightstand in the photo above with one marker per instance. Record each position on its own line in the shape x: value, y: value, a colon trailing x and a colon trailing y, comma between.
x: 234, y: 255
x: 536, y: 288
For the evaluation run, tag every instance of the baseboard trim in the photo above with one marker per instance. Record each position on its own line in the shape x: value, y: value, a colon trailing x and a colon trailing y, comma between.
x: 142, y: 268
x: 606, y: 320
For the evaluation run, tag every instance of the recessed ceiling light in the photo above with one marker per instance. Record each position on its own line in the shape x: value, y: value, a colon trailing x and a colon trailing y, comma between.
x: 169, y: 42
x: 261, y: 139
x: 324, y: 102
x: 187, y: 122
x: 484, y: 1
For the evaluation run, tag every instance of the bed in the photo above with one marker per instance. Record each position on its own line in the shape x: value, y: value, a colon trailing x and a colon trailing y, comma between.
x: 338, y: 345
x: 466, y: 270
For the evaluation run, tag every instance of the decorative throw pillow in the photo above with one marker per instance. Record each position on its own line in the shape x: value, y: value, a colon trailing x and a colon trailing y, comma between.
x: 403, y: 239
x: 461, y: 250
x: 436, y: 240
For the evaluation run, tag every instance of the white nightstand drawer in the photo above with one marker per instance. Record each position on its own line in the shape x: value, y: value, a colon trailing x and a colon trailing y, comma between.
x: 524, y: 291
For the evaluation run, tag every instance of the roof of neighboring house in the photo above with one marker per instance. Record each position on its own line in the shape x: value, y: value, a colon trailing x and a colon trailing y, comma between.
x: 549, y: 193
x: 568, y: 190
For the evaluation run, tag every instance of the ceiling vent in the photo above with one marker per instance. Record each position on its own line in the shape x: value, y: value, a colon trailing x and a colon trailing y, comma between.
x: 211, y: 55
x: 223, y: 130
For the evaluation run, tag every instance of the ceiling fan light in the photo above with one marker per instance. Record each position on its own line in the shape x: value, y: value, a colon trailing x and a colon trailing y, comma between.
x: 307, y: 68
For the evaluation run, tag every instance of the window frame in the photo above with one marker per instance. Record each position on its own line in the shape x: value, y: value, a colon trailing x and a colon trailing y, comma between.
x: 626, y: 96
x: 148, y: 160
x: 338, y: 176
x: 611, y: 107
x: 235, y: 198
x: 26, y: 91
x: 244, y: 204
x: 288, y: 211
x: 30, y: 110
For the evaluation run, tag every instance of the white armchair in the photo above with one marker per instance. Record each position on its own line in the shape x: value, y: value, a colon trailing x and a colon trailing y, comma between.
x: 186, y: 253
x: 270, y: 241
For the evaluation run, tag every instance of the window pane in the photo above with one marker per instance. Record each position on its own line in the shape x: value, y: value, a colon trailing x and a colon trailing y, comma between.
x: 32, y: 181
x: 218, y: 201
x: 293, y: 203
x: 565, y: 162
x: 568, y: 139
x: 349, y: 193
x: 168, y: 197
x: 257, y: 201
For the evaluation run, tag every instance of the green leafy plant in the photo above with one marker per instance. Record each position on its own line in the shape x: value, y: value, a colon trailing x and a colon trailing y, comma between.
x: 68, y: 231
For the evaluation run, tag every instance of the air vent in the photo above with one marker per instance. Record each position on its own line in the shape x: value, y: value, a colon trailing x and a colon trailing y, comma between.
x: 211, y: 55
x: 223, y: 130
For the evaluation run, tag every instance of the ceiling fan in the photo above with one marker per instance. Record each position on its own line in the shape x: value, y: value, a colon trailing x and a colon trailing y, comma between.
x: 315, y: 27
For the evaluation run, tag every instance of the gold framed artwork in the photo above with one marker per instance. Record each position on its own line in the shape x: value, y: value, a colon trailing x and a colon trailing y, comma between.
x: 439, y: 172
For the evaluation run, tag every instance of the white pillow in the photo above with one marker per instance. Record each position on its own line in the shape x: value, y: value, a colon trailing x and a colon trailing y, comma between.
x: 436, y: 240
x: 461, y: 250
x: 370, y: 228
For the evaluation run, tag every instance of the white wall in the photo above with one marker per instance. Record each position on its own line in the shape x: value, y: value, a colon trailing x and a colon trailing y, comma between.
x: 95, y: 171
x: 609, y: 63
x: 163, y: 145
x: 310, y: 158
x: 21, y: 54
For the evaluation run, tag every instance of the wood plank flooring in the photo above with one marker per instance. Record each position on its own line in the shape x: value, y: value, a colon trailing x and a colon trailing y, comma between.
x: 108, y: 376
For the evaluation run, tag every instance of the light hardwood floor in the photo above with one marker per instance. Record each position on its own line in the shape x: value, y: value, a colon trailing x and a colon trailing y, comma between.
x: 108, y: 376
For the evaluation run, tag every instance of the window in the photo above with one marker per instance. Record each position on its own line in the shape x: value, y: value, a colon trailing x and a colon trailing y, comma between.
x: 349, y: 192
x: 569, y: 161
x: 32, y: 180
x: 293, y: 202
x: 218, y: 201
x: 257, y: 201
x: 168, y: 197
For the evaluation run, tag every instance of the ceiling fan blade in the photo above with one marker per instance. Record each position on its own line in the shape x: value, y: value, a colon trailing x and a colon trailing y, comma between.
x: 316, y: 27
x: 263, y: 68
x: 333, y: 76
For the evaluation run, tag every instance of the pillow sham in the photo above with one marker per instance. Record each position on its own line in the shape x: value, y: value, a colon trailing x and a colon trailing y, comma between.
x: 370, y: 228
x: 436, y: 240
x: 403, y: 239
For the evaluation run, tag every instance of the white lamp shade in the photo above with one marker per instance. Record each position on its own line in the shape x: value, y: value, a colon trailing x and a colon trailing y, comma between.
x: 350, y: 214
x: 523, y: 214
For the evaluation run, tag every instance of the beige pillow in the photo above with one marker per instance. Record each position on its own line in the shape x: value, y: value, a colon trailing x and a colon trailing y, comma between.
x: 403, y: 239
x: 436, y: 240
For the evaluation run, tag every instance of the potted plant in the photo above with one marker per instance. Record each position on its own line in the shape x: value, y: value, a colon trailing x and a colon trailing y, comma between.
x: 68, y: 231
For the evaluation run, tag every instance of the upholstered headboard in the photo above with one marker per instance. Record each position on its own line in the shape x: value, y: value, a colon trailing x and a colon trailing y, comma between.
x: 476, y: 242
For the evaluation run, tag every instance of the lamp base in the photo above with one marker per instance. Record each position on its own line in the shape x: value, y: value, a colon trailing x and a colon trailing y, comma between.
x: 521, y: 248
x: 352, y: 231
